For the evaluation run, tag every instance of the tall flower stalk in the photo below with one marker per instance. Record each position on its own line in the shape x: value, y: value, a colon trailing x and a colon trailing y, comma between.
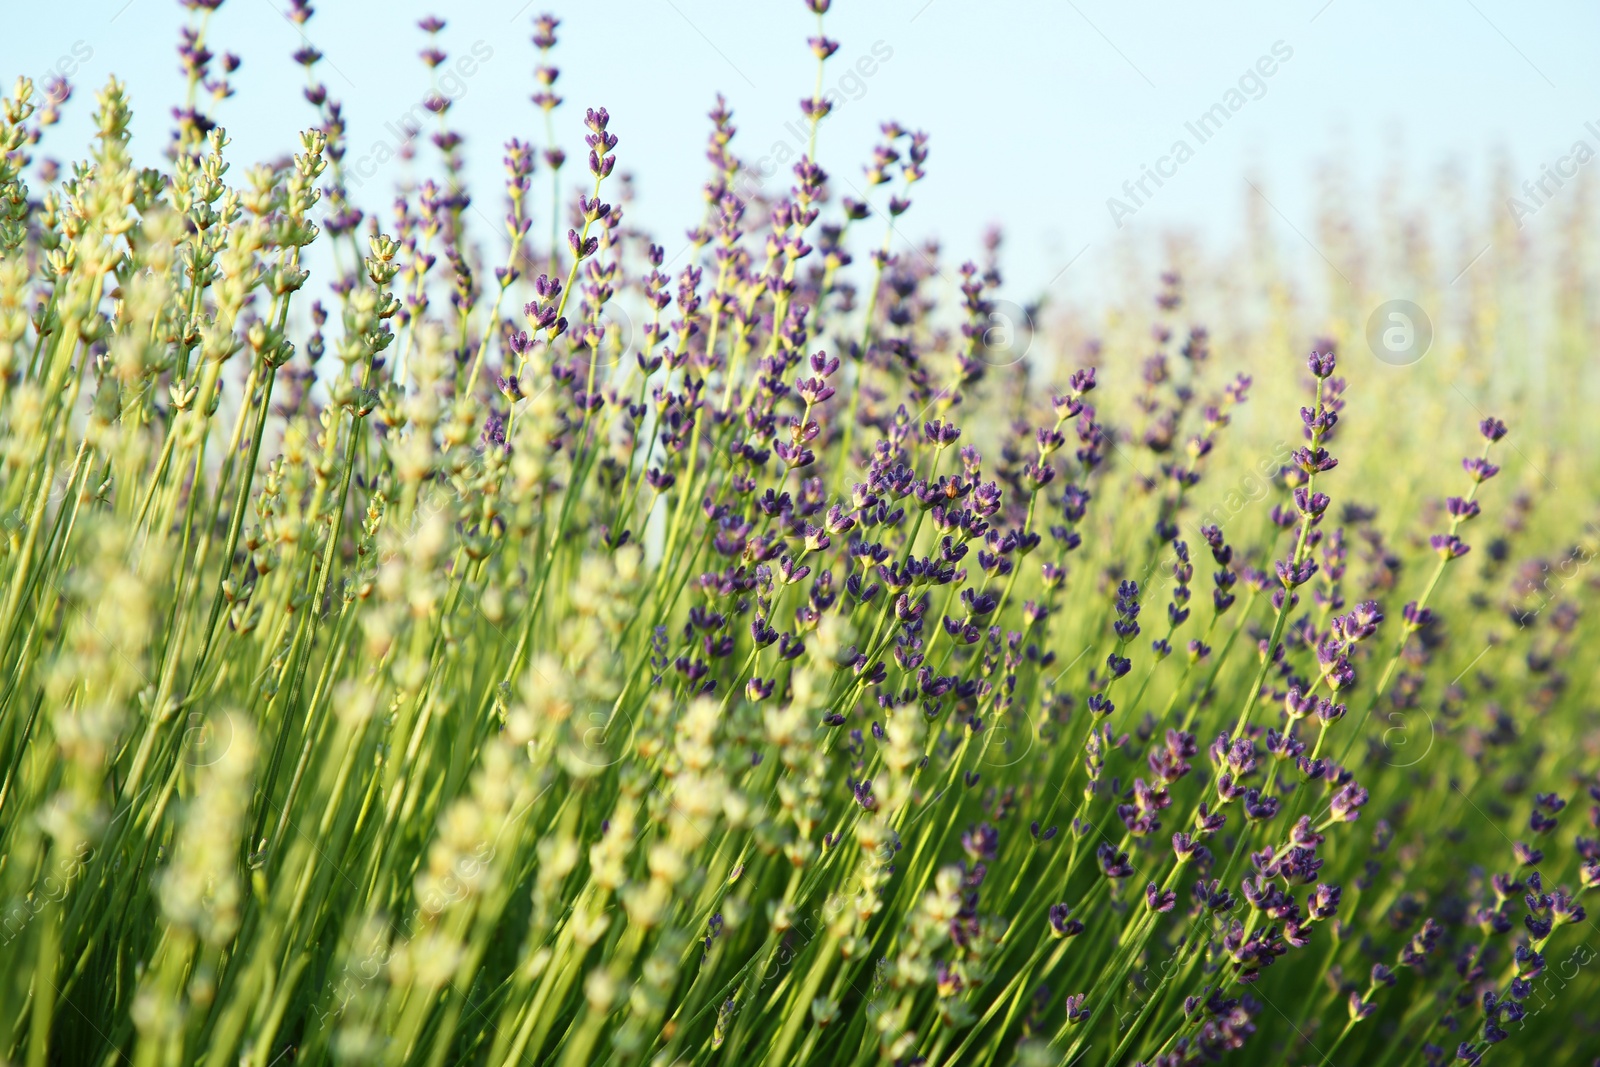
x: 418, y: 649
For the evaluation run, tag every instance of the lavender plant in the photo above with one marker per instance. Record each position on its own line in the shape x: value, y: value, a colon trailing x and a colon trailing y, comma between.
x: 503, y: 651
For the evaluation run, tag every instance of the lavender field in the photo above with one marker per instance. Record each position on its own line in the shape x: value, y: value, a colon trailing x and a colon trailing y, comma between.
x: 439, y: 625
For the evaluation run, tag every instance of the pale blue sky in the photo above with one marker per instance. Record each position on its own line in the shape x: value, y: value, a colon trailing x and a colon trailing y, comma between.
x: 1038, y: 112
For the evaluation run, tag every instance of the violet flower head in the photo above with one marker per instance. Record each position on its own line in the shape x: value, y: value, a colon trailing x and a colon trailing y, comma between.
x: 544, y: 31
x: 1347, y: 803
x: 1159, y: 900
x: 981, y: 842
x: 1126, y: 624
x: 1061, y: 925
x: 1478, y: 469
x: 1113, y: 862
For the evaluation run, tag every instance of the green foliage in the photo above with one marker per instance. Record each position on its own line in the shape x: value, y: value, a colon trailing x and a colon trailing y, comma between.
x: 652, y: 676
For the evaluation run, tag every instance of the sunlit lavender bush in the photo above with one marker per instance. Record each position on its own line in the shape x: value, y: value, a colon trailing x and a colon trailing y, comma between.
x: 504, y: 651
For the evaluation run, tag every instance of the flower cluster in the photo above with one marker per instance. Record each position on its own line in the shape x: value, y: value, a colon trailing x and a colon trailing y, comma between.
x: 428, y: 645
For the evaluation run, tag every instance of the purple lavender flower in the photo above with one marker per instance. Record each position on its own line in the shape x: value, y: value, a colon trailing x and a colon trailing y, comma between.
x: 981, y: 842
x: 1159, y: 900
x: 1347, y: 803
x: 1113, y: 862
x: 1060, y: 924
